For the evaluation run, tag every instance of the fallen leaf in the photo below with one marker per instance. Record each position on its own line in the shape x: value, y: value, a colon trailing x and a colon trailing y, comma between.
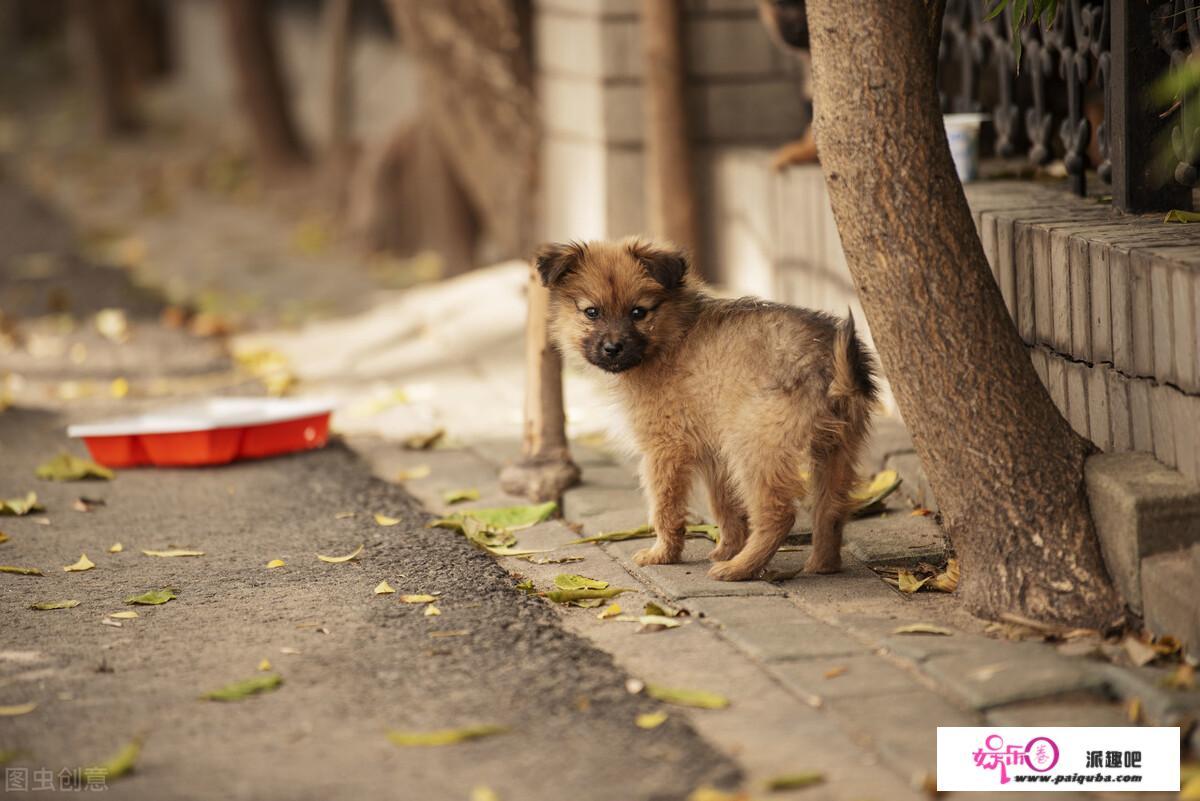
x: 66, y: 467
x: 869, y: 497
x: 413, y: 473
x: 383, y: 588
x: 909, y: 583
x: 384, y: 520
x: 1140, y: 653
x: 344, y: 515
x: 650, y: 720
x: 1133, y: 711
x: 700, y: 699
x: 119, y: 764
x: 83, y: 564
x: 45, y: 606
x: 3, y: 538
x: 506, y: 518
x: 85, y: 504
x: 706, y: 530
x: 481, y: 793
x: 118, y: 388
x: 424, y: 442
x: 445, y: 736
x: 417, y: 599
x: 153, y: 597
x: 794, y: 781
x: 169, y: 554
x: 920, y: 511
x: 337, y: 560
x: 1183, y: 678
x: 21, y: 571
x: 567, y: 596
x: 612, y: 610
x: 641, y: 532
x: 713, y: 794
x: 264, y: 665
x: 834, y: 672
x: 571, y: 581
x: 652, y: 608
x: 923, y: 628
x: 112, y: 325
x: 560, y: 560
x: 17, y: 709
x: 460, y: 495
x: 432, y: 611
x: 947, y: 580
x: 245, y: 688
x: 287, y: 651
x: 525, y: 586
x: 274, y: 563
x: 21, y: 506
x: 449, y: 633
x: 116, y: 624
x: 1167, y: 645
x: 1191, y: 790
x: 128, y: 614
x: 587, y: 603
x: 116, y: 547
x: 1181, y: 216
x: 651, y: 623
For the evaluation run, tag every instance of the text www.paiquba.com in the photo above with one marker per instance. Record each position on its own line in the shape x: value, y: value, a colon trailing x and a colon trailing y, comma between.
x: 1077, y: 778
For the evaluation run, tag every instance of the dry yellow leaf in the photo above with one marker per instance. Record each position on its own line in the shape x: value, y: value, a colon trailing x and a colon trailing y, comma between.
x: 432, y: 611
x: 412, y: 473
x: 834, y: 672
x: 909, y: 583
x: 116, y: 547
x: 947, y: 580
x: 650, y: 720
x: 265, y: 664
x: 17, y: 709
x: 344, y: 515
x: 274, y: 563
x: 83, y: 564
x: 612, y: 610
x: 417, y: 599
x: 337, y: 560
x: 169, y: 554
x: 119, y: 388
x: 384, y: 520
x: 126, y: 615
x: 383, y: 588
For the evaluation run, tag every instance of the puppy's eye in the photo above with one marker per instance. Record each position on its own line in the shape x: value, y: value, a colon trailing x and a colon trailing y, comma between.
x: 591, y: 312
x: 637, y: 313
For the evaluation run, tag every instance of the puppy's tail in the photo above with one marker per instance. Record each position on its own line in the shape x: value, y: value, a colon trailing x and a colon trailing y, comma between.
x: 853, y: 383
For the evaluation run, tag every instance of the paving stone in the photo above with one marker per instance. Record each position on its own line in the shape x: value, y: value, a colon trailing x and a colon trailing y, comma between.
x: 1089, y: 710
x: 1169, y: 600
x: 863, y: 676
x: 735, y: 611
x: 591, y: 499
x: 895, y: 538
x: 690, y: 578
x: 1160, y: 706
x: 920, y: 648
x: 994, y: 677
x: 901, y: 726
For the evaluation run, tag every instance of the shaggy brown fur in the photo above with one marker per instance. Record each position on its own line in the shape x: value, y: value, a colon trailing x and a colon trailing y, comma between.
x: 743, y: 393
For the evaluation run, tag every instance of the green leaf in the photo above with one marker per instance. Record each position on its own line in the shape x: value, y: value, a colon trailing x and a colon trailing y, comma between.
x: 652, y: 608
x: 571, y: 581
x: 567, y: 596
x: 508, y: 518
x: 21, y: 571
x: 121, y: 763
x: 650, y: 720
x: 261, y: 683
x: 700, y: 699
x: 588, y: 603
x: 460, y: 495
x: 66, y: 467
x: 153, y: 597
x: 445, y: 736
x: 996, y: 9
x: 794, y: 781
x: 1181, y: 216
x: 641, y: 532
x: 705, y: 530
x: 526, y: 587
x: 21, y: 506
x: 45, y: 606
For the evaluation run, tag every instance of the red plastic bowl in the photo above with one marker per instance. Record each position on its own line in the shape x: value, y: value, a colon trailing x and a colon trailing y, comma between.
x: 216, y: 431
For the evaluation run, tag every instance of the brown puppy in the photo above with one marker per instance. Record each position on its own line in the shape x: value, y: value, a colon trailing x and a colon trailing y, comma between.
x: 743, y: 393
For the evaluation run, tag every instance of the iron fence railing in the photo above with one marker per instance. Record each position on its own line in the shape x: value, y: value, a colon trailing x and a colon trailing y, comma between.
x: 1082, y: 93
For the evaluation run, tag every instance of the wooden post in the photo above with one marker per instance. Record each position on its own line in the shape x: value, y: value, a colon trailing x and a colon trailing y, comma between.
x: 670, y: 195
x: 545, y: 469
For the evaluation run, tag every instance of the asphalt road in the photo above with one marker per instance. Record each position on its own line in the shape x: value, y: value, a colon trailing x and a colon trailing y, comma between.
x: 367, y: 663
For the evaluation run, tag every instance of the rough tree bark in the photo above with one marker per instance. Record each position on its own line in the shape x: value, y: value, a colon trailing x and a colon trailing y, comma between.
x: 261, y: 86
x: 670, y: 195
x: 1006, y: 468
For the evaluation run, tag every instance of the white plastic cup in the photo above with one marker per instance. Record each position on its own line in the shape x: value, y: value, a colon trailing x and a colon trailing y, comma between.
x: 962, y: 132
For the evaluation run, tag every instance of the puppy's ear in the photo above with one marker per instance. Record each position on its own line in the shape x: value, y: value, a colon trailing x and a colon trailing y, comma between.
x: 555, y: 260
x: 666, y: 265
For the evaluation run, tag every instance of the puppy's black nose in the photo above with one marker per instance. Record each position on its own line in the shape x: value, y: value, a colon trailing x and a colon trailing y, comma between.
x: 611, y: 348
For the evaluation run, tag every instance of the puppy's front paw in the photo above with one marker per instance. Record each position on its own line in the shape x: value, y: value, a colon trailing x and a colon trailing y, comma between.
x: 827, y: 564
x: 658, y: 555
x: 730, y: 571
x: 722, y: 553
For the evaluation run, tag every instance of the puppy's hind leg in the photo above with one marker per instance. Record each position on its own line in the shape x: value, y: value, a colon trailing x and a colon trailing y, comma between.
x: 833, y: 478
x: 667, y: 475
x: 728, y: 512
x: 772, y: 512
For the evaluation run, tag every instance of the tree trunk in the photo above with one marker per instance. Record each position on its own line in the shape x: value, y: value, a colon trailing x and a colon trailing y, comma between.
x: 670, y: 196
x: 108, y: 67
x: 261, y: 85
x: 339, y: 97
x: 1005, y: 466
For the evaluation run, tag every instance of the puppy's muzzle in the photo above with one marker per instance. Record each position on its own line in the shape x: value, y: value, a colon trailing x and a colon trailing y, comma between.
x: 615, y: 355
